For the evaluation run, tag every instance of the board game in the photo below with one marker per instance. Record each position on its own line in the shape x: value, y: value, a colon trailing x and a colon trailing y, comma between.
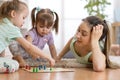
x: 47, y: 70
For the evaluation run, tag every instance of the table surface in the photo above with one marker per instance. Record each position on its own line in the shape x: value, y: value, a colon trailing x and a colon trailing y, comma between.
x: 78, y: 74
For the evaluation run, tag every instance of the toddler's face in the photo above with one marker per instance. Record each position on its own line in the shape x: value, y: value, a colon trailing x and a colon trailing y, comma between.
x: 43, y: 29
x: 83, y: 34
x: 19, y: 18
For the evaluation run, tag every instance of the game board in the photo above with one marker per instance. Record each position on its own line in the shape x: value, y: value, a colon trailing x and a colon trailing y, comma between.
x: 47, y: 70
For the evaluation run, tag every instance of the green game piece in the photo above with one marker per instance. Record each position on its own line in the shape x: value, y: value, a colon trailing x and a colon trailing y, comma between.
x: 33, y: 69
x: 36, y: 69
x: 51, y: 69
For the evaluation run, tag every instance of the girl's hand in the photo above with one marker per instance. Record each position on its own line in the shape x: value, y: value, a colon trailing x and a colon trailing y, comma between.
x: 52, y: 62
x: 97, y: 32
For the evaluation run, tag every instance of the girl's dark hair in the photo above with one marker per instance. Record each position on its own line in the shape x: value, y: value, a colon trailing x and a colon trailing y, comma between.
x: 93, y: 21
x: 8, y: 6
x: 45, y: 15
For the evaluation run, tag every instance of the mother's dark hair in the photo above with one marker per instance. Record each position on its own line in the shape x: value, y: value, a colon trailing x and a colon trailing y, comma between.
x: 94, y: 21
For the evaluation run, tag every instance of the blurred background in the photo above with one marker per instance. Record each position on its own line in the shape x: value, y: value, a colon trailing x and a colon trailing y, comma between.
x: 70, y: 14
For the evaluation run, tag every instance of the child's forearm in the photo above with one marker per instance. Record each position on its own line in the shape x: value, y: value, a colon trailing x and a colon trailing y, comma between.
x: 33, y: 50
x: 53, y: 51
x: 54, y: 54
x: 36, y: 52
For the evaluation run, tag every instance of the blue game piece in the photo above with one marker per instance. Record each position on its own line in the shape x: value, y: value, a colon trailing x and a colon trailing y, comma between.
x: 40, y: 67
x: 44, y: 67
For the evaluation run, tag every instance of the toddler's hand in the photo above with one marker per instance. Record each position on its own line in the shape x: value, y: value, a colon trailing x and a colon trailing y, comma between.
x: 52, y: 62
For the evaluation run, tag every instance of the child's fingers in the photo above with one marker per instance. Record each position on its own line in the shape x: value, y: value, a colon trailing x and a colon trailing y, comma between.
x: 52, y: 62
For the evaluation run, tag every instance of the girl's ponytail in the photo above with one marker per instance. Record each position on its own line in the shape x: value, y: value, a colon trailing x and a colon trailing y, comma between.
x: 56, y: 24
x: 110, y: 63
x: 33, y: 17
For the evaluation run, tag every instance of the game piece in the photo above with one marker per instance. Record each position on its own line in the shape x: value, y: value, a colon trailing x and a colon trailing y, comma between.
x: 7, y: 70
x: 40, y: 67
x: 50, y: 69
x: 34, y: 70
x: 44, y: 67
x: 37, y: 70
x: 27, y: 67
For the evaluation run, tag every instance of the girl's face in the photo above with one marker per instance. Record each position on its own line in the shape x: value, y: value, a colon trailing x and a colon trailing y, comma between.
x: 83, y: 35
x: 19, y: 17
x: 43, y: 29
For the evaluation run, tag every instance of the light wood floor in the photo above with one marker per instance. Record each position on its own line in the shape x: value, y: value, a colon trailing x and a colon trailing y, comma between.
x: 79, y: 74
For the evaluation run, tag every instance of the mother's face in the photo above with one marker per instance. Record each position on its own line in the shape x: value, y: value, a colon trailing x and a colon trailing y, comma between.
x: 83, y: 34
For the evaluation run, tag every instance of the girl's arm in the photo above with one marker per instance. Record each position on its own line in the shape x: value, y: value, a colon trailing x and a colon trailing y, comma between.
x: 53, y: 51
x: 33, y: 50
x: 64, y: 50
x: 51, y: 47
x: 98, y: 58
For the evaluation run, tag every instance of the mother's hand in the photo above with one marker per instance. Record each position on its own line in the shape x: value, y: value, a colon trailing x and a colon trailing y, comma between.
x: 97, y: 32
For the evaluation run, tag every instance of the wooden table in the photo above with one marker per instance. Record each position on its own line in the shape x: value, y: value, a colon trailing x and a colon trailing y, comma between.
x: 79, y: 74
